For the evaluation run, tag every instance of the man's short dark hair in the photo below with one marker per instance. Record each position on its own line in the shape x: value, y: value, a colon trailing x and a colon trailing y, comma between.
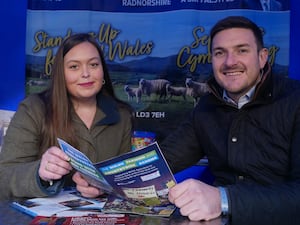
x: 238, y: 22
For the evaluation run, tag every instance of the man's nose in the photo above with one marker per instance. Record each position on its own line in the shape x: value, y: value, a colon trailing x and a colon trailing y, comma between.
x: 231, y: 59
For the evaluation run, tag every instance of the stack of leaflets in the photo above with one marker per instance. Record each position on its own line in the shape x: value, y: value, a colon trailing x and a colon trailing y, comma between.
x: 67, y: 203
x: 136, y: 182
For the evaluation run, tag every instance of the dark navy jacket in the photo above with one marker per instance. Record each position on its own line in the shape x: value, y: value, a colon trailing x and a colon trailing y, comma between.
x: 253, y: 151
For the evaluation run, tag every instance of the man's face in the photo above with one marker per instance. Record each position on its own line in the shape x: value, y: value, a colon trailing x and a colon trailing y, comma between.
x: 236, y: 60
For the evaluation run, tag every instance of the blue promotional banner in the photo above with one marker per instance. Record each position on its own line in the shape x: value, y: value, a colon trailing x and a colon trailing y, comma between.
x: 154, y: 48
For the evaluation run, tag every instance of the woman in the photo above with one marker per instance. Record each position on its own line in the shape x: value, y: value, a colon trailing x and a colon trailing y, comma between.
x: 80, y: 107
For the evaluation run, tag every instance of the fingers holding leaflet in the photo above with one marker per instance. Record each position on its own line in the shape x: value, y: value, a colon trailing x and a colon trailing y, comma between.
x: 54, y: 164
x: 84, y: 188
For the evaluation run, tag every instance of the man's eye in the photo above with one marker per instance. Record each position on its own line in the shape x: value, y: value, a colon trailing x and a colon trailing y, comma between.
x: 243, y: 50
x: 218, y: 53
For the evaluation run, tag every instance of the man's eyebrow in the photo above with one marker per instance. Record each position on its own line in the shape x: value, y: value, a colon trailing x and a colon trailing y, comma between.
x: 237, y: 46
x: 243, y: 45
x: 217, y: 48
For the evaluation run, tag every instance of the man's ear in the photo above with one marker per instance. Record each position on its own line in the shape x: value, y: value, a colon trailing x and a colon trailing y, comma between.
x: 263, y: 57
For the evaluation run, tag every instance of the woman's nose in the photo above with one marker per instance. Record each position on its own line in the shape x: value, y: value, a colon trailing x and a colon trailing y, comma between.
x: 85, y: 71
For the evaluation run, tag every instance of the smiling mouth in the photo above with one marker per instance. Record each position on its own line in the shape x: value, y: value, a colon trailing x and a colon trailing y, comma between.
x: 236, y: 73
x: 88, y: 84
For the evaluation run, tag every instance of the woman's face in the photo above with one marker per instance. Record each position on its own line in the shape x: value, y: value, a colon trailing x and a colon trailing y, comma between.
x: 83, y: 72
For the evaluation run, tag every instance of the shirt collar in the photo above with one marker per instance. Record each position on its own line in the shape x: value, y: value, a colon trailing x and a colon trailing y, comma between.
x: 242, y: 100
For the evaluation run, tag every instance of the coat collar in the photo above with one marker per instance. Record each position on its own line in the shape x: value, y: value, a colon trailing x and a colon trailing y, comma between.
x: 110, y: 109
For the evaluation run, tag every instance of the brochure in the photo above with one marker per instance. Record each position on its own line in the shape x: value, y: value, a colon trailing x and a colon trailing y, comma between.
x: 67, y: 203
x: 137, y: 182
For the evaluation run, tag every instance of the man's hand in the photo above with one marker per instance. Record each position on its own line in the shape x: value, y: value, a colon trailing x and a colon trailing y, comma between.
x: 196, y: 200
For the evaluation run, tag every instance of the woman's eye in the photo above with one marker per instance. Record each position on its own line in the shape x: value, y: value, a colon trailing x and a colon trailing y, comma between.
x: 94, y: 64
x: 73, y: 67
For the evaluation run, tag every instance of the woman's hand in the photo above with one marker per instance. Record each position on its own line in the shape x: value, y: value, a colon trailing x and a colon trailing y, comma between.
x: 54, y: 164
x: 84, y: 188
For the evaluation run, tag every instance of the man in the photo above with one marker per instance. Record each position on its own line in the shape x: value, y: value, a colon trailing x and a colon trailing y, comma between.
x: 249, y: 129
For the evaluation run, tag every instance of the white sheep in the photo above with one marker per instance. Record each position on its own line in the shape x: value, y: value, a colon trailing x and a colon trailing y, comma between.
x: 196, y: 89
x: 157, y: 86
x: 133, y: 92
x: 175, y: 91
